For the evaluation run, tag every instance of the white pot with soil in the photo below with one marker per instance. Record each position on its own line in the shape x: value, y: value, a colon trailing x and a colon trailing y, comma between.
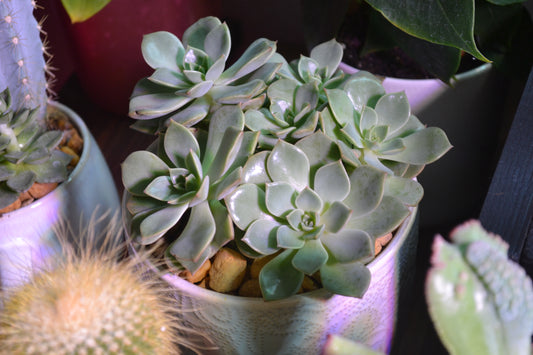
x: 301, y: 323
x: 28, y: 235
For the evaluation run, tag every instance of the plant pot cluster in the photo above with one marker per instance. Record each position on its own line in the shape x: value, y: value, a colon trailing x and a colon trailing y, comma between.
x: 285, y: 192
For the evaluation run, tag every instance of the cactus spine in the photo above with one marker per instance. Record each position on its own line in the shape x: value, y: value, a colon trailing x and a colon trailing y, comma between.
x: 90, y: 302
x: 23, y: 67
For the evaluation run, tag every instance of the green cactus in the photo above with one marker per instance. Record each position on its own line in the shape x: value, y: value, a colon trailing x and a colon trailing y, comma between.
x: 281, y: 162
x: 480, y: 302
x: 27, y: 148
x: 23, y: 67
x: 90, y: 302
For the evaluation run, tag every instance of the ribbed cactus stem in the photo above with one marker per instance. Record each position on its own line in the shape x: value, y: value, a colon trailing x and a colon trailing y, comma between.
x: 23, y: 67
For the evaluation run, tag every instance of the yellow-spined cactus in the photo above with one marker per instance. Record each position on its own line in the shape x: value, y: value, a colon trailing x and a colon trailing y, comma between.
x: 90, y: 302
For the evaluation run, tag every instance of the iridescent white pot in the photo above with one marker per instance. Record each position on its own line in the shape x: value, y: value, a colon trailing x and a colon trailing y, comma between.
x: 28, y: 235
x: 301, y: 323
x: 472, y: 111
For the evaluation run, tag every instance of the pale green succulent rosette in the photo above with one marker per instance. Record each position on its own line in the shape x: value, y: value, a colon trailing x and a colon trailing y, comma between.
x: 292, y: 113
x: 300, y: 201
x: 27, y: 152
x: 190, y: 79
x: 473, y: 284
x: 378, y: 129
x: 188, y: 176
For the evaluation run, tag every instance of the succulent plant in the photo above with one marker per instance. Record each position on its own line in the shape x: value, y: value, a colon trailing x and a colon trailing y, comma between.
x: 90, y: 302
x: 473, y: 285
x: 26, y: 146
x: 189, y: 80
x: 291, y: 165
x: 181, y: 176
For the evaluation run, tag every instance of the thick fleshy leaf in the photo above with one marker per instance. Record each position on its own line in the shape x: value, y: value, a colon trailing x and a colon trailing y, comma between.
x: 195, y: 35
x: 341, y: 106
x: 179, y: 142
x: 364, y: 89
x: 226, y: 153
x: 254, y: 171
x: 408, y: 191
x: 289, y: 164
x: 218, y: 42
x: 332, y: 182
x: 307, y: 69
x: 246, y: 204
x: 367, y: 186
x: 393, y: 110
x: 196, y: 235
x: 423, y: 147
x: 140, y: 204
x: 369, y: 119
x: 351, y: 279
x: 21, y: 181
x: 257, y: 121
x: 255, y: 56
x: 261, y: 236
x: 279, y: 279
x: 279, y: 198
x: 139, y: 169
x: 349, y: 245
x: 167, y: 77
x: 161, y: 189
x: 336, y: 216
x: 288, y: 238
x: 382, y: 220
x: 311, y: 257
x: 193, y: 113
x: 320, y: 150
x: 222, y: 187
x: 306, y: 95
x: 328, y: 55
x: 162, y: 50
x: 158, y: 223
x: 295, y: 218
x: 282, y: 89
x: 309, y: 201
x: 155, y: 105
x: 7, y: 196
x: 199, y: 89
x: 232, y: 95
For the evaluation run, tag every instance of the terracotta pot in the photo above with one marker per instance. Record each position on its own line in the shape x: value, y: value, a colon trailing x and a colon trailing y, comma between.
x: 300, y: 324
x: 471, y: 111
x: 108, y: 45
x: 28, y: 235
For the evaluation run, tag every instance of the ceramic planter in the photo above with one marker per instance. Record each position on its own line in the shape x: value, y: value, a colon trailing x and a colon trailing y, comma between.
x: 301, y: 323
x: 28, y: 235
x: 471, y: 112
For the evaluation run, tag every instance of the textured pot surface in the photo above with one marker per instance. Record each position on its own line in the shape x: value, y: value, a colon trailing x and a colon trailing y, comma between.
x: 472, y: 113
x: 28, y: 235
x: 301, y: 323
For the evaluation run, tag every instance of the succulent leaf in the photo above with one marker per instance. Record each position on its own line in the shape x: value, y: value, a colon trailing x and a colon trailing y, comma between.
x: 278, y: 278
x: 348, y: 279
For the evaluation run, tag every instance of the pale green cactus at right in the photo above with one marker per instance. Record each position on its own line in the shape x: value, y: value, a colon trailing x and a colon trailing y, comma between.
x: 189, y: 80
x: 480, y: 301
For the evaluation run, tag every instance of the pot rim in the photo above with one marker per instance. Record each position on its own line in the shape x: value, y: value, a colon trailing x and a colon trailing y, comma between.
x: 458, y: 77
x: 194, y: 290
x: 84, y: 132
